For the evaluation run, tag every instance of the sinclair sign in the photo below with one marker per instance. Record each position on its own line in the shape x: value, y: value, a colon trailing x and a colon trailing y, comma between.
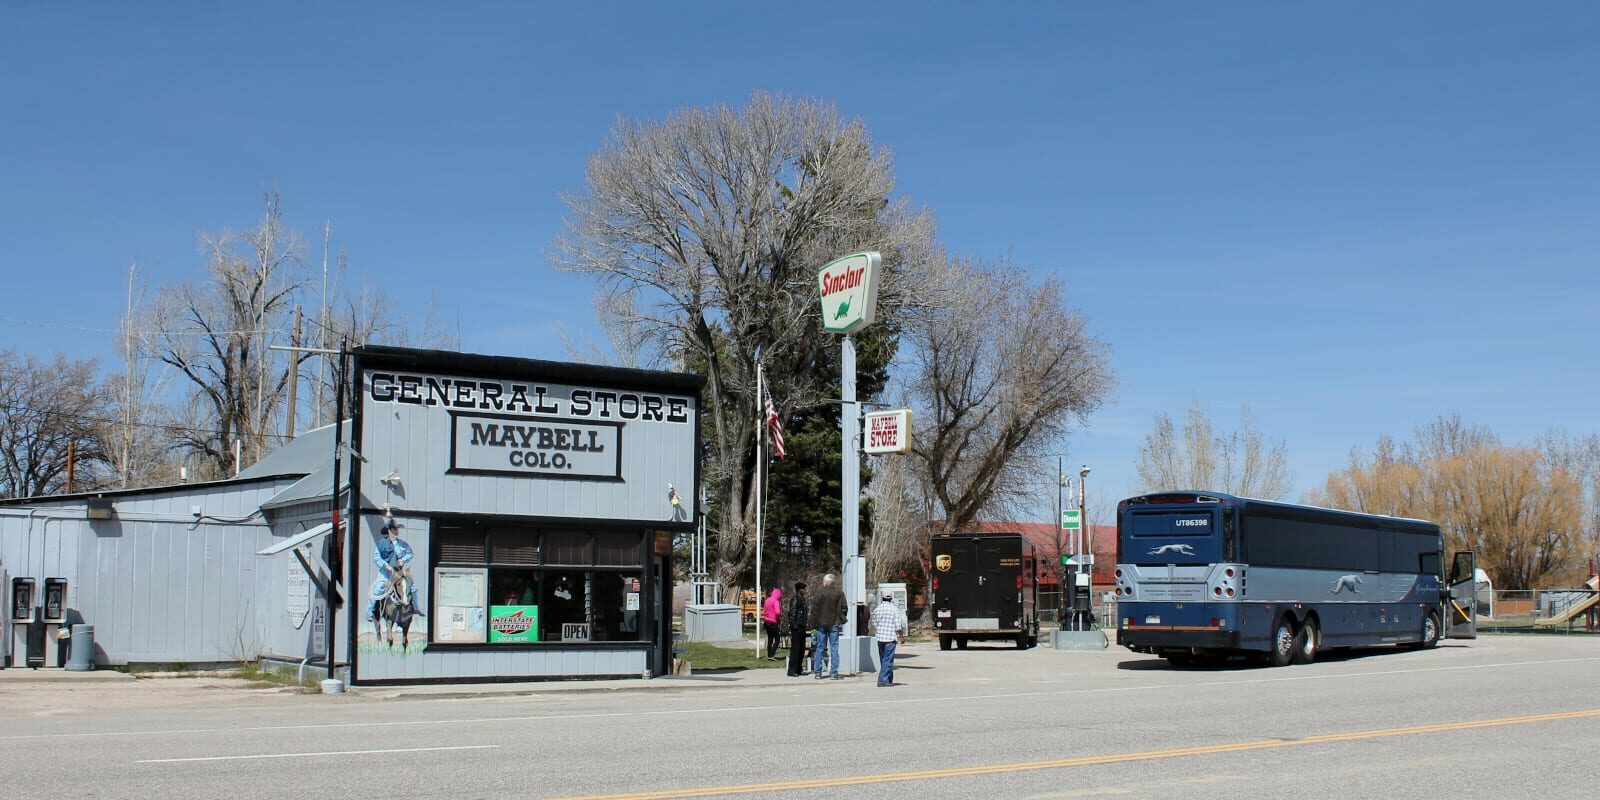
x: 849, y: 288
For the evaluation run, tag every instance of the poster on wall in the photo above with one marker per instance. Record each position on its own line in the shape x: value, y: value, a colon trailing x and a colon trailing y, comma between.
x: 460, y: 595
x: 298, y: 600
x: 513, y: 624
x: 393, y: 619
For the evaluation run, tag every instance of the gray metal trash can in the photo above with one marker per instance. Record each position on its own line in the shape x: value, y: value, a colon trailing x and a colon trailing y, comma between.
x: 81, y: 658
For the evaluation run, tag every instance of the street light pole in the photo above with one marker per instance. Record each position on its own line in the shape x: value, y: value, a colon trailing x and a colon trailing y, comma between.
x: 1085, y: 620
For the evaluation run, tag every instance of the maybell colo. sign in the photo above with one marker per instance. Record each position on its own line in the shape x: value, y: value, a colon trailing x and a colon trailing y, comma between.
x: 849, y: 289
x: 542, y: 430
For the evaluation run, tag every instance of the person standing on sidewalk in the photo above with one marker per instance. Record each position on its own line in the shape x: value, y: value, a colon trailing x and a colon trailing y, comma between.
x: 798, y: 613
x: 889, y: 629
x: 828, y: 614
x: 771, y: 610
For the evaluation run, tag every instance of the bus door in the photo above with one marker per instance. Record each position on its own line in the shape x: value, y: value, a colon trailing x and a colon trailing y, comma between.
x: 1462, y: 597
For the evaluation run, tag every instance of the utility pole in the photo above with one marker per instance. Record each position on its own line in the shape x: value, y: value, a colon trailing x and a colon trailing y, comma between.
x: 294, y: 376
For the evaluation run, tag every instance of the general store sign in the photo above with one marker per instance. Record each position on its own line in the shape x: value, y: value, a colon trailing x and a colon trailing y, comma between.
x: 849, y: 290
x: 888, y: 432
x: 533, y: 429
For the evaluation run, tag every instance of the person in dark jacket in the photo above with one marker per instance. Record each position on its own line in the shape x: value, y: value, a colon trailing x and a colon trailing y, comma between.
x: 828, y: 615
x: 799, y: 610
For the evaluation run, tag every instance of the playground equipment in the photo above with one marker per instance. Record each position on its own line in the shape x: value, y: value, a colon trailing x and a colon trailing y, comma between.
x: 1577, y: 608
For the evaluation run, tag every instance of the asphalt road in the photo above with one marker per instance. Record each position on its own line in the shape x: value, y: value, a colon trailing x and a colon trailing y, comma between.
x: 1496, y: 718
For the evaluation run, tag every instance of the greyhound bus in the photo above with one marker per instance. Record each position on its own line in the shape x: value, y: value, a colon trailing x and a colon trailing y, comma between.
x: 1202, y: 577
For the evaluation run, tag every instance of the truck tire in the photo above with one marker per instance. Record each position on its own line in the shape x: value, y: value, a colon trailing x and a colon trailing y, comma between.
x: 944, y: 642
x: 961, y: 644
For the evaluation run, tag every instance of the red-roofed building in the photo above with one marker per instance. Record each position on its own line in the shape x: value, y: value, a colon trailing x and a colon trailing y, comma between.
x: 1050, y: 543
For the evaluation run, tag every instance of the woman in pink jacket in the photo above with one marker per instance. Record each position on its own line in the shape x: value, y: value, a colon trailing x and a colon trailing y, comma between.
x: 771, y: 610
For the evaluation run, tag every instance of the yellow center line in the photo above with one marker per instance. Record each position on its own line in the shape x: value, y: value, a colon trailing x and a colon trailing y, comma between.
x: 1084, y: 761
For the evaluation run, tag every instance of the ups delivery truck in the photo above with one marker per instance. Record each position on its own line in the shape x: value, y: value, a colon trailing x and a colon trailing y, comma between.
x: 985, y: 587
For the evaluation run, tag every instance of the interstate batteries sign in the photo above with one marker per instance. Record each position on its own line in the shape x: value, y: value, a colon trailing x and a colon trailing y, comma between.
x: 543, y: 430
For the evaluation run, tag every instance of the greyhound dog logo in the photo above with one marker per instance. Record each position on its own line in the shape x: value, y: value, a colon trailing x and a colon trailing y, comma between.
x: 942, y: 562
x: 1178, y: 549
x: 1346, y: 582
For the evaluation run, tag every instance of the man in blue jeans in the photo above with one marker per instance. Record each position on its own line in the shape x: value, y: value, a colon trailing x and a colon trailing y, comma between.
x: 889, y: 629
x: 828, y: 615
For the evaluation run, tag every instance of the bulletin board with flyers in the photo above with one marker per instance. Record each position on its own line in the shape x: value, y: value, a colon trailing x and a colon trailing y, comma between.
x: 461, y: 596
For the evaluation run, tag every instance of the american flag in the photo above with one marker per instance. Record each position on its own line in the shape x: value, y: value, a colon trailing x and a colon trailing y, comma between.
x: 774, y: 424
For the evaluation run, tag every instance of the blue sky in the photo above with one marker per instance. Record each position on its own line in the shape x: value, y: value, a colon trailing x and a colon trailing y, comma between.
x: 1353, y: 217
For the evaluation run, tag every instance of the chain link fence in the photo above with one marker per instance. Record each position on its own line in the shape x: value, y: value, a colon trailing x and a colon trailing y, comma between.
x: 1539, y: 611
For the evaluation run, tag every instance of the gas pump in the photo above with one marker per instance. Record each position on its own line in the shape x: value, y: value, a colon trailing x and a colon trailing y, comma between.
x: 22, y: 623
x: 54, y: 618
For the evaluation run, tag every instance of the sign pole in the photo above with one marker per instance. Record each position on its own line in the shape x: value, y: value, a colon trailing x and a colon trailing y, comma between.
x: 855, y: 578
x: 848, y: 291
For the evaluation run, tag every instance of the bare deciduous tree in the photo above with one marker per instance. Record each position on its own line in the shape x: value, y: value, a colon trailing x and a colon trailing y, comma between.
x: 216, y: 335
x: 138, y: 435
x: 1521, y: 508
x: 1241, y: 462
x: 1578, y: 456
x: 706, y: 232
x: 1000, y: 369
x: 49, y: 410
x: 900, y: 524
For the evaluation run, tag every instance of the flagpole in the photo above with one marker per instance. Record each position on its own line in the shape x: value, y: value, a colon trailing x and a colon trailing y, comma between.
x: 761, y: 432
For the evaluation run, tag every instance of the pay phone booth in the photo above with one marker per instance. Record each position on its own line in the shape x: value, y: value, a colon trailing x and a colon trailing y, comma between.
x: 22, y: 623
x: 51, y: 621
x: 35, y: 619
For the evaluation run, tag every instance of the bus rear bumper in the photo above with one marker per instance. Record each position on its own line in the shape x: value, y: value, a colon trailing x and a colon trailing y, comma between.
x: 1155, y: 638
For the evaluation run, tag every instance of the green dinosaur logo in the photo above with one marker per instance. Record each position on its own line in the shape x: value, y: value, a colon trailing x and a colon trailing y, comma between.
x: 844, y: 308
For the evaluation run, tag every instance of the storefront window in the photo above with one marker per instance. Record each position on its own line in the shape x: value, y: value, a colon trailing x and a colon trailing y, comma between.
x: 552, y: 585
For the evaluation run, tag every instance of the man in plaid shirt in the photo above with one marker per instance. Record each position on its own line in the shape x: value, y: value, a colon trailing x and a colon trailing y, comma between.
x: 889, y: 629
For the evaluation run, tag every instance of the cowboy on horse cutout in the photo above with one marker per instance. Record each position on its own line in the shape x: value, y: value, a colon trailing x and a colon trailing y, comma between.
x: 393, y: 599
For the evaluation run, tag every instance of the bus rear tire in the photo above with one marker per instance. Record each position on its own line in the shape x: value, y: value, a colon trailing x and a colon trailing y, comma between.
x: 1282, y: 646
x: 1306, y: 642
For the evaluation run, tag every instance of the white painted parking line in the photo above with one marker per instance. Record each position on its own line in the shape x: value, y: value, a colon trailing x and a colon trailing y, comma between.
x: 315, y: 755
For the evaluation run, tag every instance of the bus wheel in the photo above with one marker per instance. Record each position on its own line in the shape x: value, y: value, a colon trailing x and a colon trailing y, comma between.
x: 1430, y: 630
x: 1283, y: 643
x: 944, y: 642
x: 1178, y: 658
x: 1306, y: 643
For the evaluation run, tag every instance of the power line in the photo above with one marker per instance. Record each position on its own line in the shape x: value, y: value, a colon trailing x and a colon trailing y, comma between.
x: 22, y: 407
x: 119, y: 331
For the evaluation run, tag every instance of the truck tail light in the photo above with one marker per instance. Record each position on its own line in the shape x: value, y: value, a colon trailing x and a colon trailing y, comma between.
x: 1019, y: 581
x: 936, y: 583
